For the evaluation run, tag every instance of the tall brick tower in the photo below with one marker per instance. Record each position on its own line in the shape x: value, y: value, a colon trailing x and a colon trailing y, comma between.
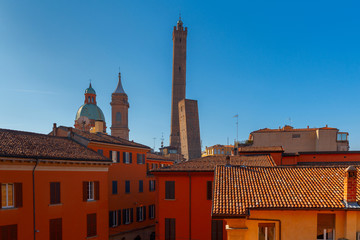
x: 119, y: 112
x: 178, y: 80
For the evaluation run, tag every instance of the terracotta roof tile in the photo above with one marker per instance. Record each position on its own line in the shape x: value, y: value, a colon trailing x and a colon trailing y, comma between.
x: 33, y: 145
x: 152, y: 156
x: 105, y: 138
x: 210, y: 162
x: 239, y: 189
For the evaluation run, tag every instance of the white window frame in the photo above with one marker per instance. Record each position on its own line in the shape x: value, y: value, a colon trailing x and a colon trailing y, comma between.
x: 152, y: 211
x: 127, y: 216
x: 152, y: 185
x: 115, y: 219
x: 6, y: 204
x: 127, y: 157
x: 266, y: 233
x: 325, y: 234
x: 114, y: 156
x: 141, y: 214
x: 90, y: 191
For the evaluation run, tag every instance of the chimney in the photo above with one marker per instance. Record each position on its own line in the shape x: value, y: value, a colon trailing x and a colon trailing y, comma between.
x: 54, y: 129
x: 350, y: 182
x: 228, y: 161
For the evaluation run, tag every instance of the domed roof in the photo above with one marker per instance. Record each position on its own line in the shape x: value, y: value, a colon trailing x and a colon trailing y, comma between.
x: 92, y: 111
x: 90, y: 90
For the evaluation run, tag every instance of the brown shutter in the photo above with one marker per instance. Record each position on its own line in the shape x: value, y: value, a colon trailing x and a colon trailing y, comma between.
x: 55, y: 230
x: 91, y: 225
x: 85, y: 184
x: 58, y: 193
x: 97, y: 190
x: 209, y: 190
x: 0, y: 196
x: 18, y: 195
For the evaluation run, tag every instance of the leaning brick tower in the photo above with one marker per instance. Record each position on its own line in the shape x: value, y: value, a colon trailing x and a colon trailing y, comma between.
x: 178, y: 80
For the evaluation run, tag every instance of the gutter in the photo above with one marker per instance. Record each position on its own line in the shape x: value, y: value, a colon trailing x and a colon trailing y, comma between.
x: 33, y: 183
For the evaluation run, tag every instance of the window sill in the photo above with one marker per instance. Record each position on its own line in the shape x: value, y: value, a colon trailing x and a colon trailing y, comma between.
x: 8, y: 208
x: 170, y: 199
x: 55, y: 204
x: 92, y: 237
x: 91, y: 200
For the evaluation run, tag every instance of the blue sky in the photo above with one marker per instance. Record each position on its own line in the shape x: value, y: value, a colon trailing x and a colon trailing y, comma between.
x: 268, y: 61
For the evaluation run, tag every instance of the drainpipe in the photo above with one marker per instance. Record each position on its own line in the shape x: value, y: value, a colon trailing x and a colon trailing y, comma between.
x: 272, y: 220
x: 189, y: 205
x: 33, y: 181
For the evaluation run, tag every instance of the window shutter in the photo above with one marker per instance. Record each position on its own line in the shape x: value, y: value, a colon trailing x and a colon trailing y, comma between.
x: 143, y: 158
x: 137, y: 214
x: 118, y: 157
x: 124, y: 215
x: 58, y: 193
x: 124, y: 157
x: 52, y: 193
x: 149, y: 211
x: 18, y: 195
x: 111, y: 217
x: 8, y: 232
x: 144, y: 212
x: 110, y: 155
x: 91, y: 225
x: 131, y: 215
x: 209, y: 190
x: 85, y: 184
x: 97, y: 190
x: 119, y: 217
x: 154, y: 185
x: 130, y: 157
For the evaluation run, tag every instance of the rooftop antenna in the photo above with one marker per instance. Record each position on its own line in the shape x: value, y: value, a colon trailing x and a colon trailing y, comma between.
x: 290, y: 121
x: 237, y: 127
x: 154, y: 143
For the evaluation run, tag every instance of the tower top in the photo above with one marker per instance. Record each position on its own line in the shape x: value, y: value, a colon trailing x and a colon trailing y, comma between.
x: 179, y: 25
x: 119, y: 88
x: 90, y: 90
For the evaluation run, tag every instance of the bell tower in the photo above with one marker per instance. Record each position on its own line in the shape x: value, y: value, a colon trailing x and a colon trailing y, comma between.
x: 119, y: 112
x: 178, y: 80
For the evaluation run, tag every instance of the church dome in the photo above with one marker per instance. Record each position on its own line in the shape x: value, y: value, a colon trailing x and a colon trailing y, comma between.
x: 92, y: 111
x: 90, y: 90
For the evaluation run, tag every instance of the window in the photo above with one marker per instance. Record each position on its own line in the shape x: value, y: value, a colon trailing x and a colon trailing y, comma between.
x: 114, y: 218
x: 151, y: 185
x: 127, y: 157
x: 114, y: 156
x: 209, y: 190
x: 216, y: 230
x: 140, y: 158
x: 140, y: 214
x: 141, y: 186
x: 55, y: 229
x: 152, y: 211
x: 127, y: 186
x: 91, y: 225
x: 325, y: 227
x: 55, y: 193
x: 118, y: 117
x: 91, y: 191
x: 266, y: 231
x: 11, y: 195
x: 100, y: 151
x: 169, y: 228
x: 153, y: 166
x: 127, y: 216
x: 342, y: 136
x: 8, y: 232
x: 169, y: 189
x: 114, y: 187
x: 296, y: 135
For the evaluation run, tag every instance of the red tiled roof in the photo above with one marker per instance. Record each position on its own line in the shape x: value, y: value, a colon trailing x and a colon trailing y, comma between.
x: 152, y: 156
x: 210, y: 162
x: 261, y: 149
x: 239, y: 189
x: 104, y: 138
x: 33, y: 145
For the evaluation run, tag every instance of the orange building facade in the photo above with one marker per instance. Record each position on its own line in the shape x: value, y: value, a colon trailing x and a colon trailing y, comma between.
x: 184, y: 198
x: 66, y: 181
x: 131, y: 190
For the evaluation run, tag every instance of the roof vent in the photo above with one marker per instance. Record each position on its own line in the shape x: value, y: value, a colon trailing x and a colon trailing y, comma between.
x: 228, y: 161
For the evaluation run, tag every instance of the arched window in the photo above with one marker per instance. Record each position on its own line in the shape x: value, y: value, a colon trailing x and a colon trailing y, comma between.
x: 118, y: 117
x: 89, y: 99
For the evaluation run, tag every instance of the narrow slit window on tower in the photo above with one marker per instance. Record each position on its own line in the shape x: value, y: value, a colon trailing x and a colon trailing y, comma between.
x: 180, y: 39
x: 118, y: 117
x: 88, y: 99
x: 179, y: 68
